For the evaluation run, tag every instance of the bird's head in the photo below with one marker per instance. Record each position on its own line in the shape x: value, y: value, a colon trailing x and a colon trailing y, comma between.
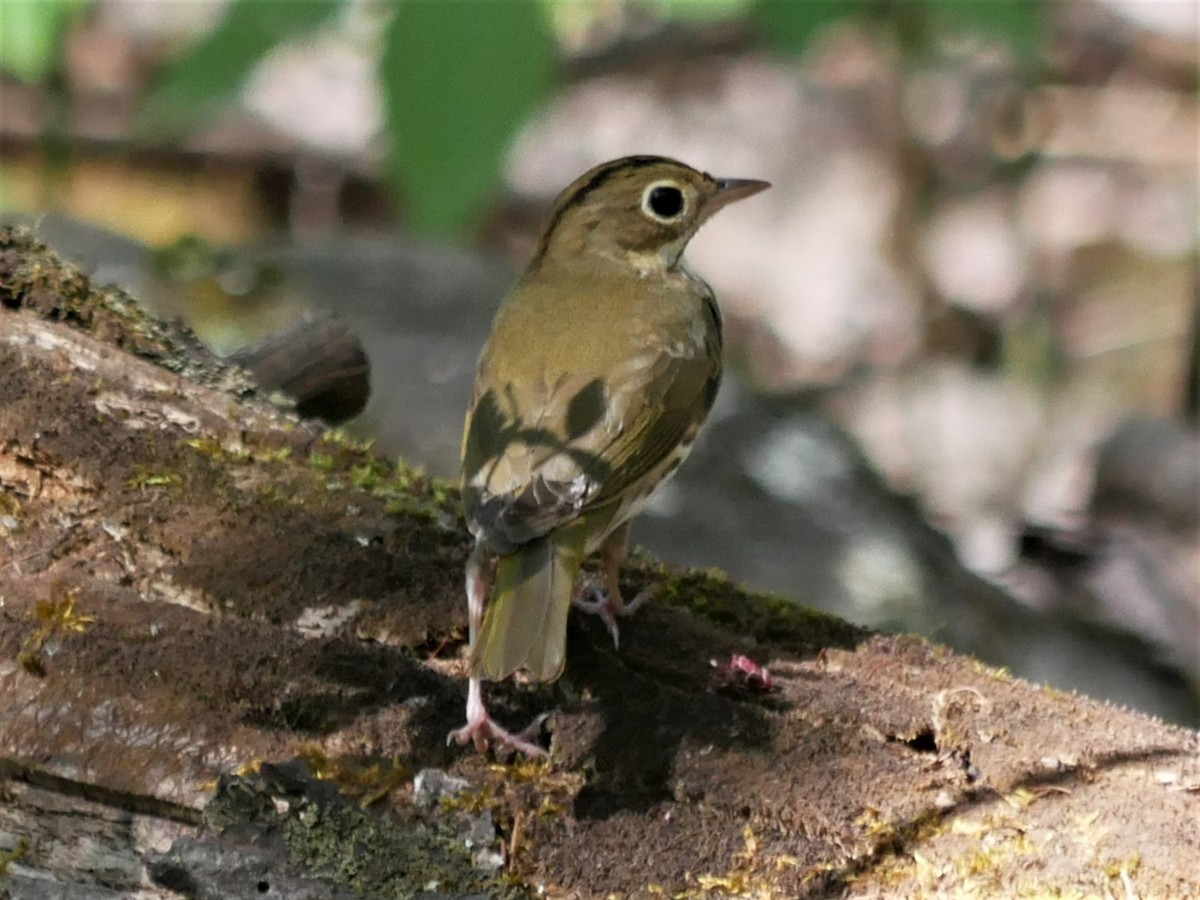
x: 639, y: 211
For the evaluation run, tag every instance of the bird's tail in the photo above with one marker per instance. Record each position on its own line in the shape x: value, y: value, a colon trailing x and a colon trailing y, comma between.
x: 526, y: 621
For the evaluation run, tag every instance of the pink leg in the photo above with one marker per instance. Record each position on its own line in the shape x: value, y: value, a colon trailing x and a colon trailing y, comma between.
x: 480, y: 727
x: 607, y: 602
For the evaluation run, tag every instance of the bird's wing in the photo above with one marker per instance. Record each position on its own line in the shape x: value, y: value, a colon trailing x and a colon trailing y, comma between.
x: 666, y: 406
x: 537, y: 454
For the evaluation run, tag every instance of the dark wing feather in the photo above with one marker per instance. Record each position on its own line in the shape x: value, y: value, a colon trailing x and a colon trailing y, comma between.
x: 519, y: 483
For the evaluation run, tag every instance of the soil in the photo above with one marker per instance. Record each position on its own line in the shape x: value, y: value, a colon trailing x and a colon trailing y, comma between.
x: 194, y: 583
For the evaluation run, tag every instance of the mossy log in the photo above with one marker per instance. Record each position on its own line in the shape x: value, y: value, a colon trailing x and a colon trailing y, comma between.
x: 229, y: 640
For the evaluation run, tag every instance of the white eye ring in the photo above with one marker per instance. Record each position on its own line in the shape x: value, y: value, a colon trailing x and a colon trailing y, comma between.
x: 663, y: 217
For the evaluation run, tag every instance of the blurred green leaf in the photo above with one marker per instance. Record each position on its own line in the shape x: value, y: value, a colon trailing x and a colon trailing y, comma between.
x: 788, y: 25
x: 1019, y: 22
x: 212, y: 73
x: 699, y: 11
x: 458, y: 79
x: 31, y: 36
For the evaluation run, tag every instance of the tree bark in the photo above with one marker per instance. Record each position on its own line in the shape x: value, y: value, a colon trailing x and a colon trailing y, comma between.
x: 229, y: 640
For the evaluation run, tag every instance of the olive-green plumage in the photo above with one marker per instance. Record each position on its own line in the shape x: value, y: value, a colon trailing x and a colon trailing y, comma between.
x: 600, y: 368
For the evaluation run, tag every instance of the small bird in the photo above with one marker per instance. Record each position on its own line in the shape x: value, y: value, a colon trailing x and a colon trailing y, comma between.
x: 601, y: 366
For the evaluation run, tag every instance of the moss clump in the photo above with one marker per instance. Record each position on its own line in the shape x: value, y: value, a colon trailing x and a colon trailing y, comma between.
x: 344, y: 462
x: 524, y: 797
x: 8, y: 857
x: 35, y: 278
x: 10, y: 513
x: 56, y: 618
x: 149, y: 477
x: 327, y: 836
x: 9, y: 505
x: 366, y: 780
x: 767, y: 618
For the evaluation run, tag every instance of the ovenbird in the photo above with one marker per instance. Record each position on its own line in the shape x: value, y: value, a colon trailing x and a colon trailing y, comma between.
x: 600, y: 368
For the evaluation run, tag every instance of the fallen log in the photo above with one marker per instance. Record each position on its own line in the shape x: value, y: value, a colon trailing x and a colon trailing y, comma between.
x: 231, y: 648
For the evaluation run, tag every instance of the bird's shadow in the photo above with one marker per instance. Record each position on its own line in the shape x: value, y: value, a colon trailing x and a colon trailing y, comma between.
x: 662, y: 694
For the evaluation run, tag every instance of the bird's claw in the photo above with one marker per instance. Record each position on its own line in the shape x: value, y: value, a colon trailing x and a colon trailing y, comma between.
x: 603, y: 604
x: 483, y: 729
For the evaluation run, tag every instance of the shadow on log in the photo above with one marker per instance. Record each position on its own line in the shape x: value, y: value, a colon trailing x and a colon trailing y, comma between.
x: 231, y: 648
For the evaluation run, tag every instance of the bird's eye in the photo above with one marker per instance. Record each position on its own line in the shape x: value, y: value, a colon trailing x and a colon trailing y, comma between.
x: 663, y: 201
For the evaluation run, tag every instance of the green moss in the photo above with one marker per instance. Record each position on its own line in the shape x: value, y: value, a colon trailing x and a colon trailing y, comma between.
x: 216, y: 451
x: 1000, y: 673
x: 404, y: 490
x: 369, y: 475
x: 35, y: 278
x: 277, y: 454
x: 8, y: 857
x: 9, y: 505
x: 149, y: 477
x: 527, y: 800
x: 767, y: 617
x: 347, y: 846
x: 321, y: 462
x: 327, y: 836
x: 366, y: 780
x: 1127, y: 866
x: 57, y: 618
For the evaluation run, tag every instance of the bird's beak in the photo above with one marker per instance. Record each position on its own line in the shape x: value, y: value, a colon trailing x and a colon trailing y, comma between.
x: 731, y: 189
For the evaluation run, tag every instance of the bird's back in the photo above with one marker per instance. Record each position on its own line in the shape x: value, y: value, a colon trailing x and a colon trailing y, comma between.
x: 603, y: 362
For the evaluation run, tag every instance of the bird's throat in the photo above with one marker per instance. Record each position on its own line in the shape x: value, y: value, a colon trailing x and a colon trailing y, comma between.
x: 660, y: 262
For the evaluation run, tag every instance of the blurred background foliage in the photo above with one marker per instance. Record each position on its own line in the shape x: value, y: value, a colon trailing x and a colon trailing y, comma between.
x: 969, y: 300
x: 458, y: 78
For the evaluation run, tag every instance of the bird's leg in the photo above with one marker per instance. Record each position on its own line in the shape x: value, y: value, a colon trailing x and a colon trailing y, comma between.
x: 481, y: 566
x: 607, y: 602
x: 480, y: 727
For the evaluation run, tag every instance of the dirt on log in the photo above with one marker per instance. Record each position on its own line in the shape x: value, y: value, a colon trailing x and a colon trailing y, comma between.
x: 231, y: 648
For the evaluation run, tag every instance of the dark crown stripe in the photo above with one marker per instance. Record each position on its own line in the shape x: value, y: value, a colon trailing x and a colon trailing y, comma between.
x: 600, y: 175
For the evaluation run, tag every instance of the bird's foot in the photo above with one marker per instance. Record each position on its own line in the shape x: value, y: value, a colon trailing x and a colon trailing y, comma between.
x: 482, y: 728
x: 608, y: 605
